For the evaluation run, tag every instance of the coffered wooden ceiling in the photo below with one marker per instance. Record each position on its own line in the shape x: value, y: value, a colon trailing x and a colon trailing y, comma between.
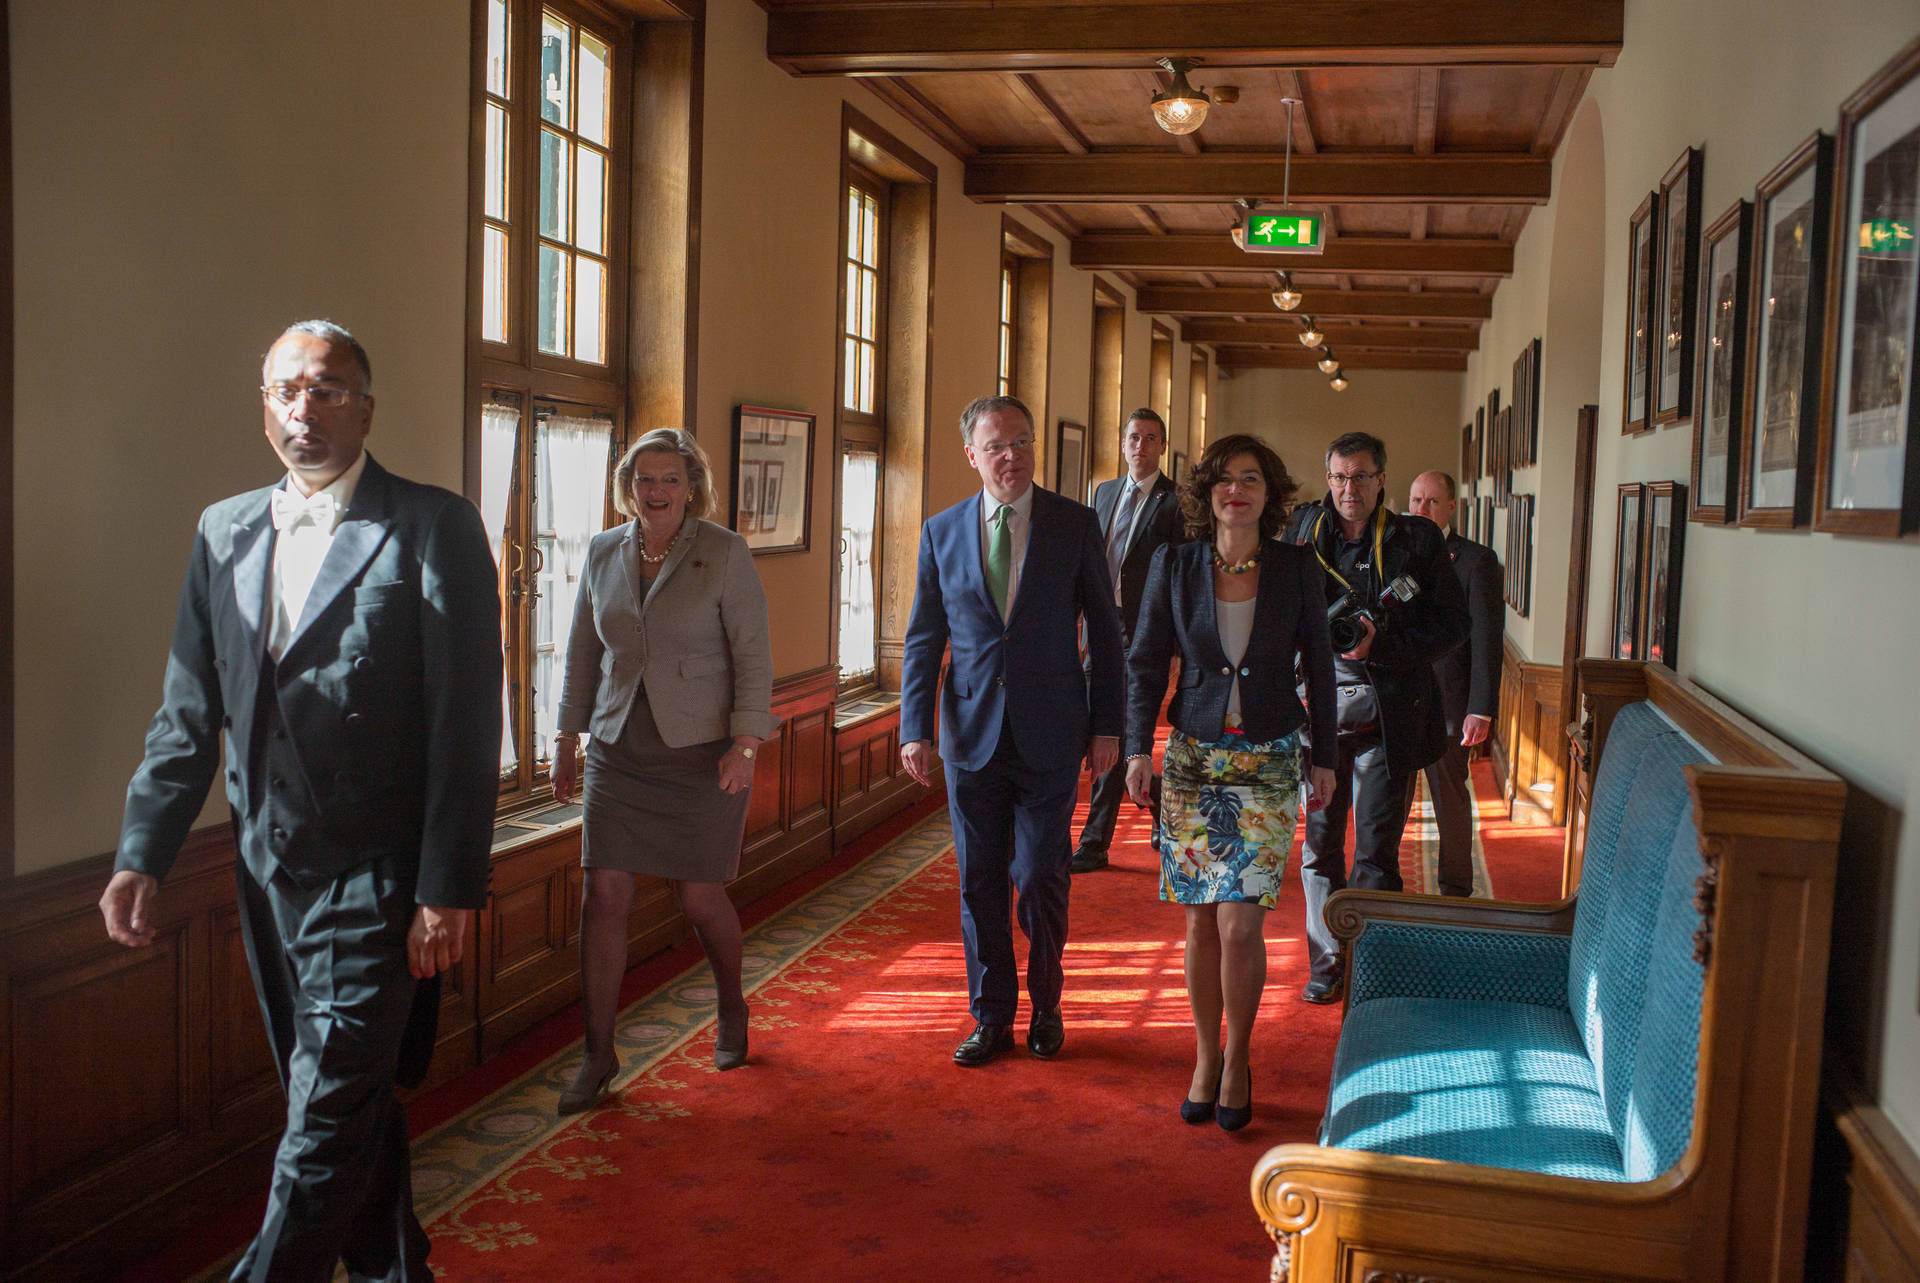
x: 1427, y: 128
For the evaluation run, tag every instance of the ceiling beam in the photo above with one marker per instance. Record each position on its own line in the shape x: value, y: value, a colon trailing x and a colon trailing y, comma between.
x: 1038, y: 101
x: 915, y: 106
x: 905, y: 39
x: 1263, y: 359
x: 1214, y: 252
x: 1322, y: 304
x: 1338, y: 337
x: 1342, y: 179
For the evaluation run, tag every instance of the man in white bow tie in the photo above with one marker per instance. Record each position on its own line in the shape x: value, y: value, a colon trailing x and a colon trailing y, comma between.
x: 341, y: 631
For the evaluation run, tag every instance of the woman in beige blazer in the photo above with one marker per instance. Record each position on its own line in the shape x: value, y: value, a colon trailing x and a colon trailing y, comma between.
x: 670, y: 673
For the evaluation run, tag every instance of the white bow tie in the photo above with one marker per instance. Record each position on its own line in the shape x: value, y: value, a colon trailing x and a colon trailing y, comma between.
x: 289, y: 510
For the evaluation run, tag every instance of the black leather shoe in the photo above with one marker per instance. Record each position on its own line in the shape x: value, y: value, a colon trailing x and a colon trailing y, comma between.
x: 1086, y: 859
x: 983, y: 1044
x: 1199, y: 1111
x: 1321, y: 992
x: 1045, y: 1034
x: 583, y: 1092
x: 1233, y: 1117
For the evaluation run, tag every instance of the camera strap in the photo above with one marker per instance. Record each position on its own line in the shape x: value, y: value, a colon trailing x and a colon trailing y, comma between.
x: 1379, y: 534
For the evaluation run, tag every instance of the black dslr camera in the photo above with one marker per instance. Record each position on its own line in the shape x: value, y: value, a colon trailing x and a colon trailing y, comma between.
x: 1345, y: 614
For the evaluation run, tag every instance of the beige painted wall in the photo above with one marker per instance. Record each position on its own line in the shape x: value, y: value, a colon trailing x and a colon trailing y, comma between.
x: 1807, y: 633
x: 188, y: 178
x: 167, y: 225
x: 1298, y: 414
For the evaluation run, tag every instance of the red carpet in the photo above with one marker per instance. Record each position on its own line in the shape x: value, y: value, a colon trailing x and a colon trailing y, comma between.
x: 850, y: 1148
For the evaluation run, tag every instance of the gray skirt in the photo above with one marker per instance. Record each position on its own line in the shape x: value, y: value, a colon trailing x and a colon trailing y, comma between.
x: 659, y: 810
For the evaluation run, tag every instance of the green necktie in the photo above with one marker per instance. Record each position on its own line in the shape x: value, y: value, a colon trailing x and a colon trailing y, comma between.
x: 1000, y: 557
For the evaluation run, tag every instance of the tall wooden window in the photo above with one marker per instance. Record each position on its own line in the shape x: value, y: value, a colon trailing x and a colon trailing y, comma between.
x: 1160, y: 377
x: 863, y: 430
x: 1009, y: 325
x: 1107, y: 374
x: 1197, y: 401
x: 547, y: 324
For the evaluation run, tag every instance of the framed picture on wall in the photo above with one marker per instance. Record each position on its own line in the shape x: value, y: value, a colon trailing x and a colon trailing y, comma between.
x: 1637, y: 402
x: 1479, y: 442
x: 1486, y: 521
x: 1867, y: 477
x: 1526, y: 406
x: 1666, y: 541
x: 1791, y: 218
x: 1070, y: 460
x: 1628, y: 532
x: 770, y: 449
x: 1679, y: 283
x: 1720, y: 366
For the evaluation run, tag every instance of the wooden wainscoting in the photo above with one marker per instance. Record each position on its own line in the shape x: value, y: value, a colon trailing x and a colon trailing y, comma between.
x: 1865, y: 1224
x: 1528, y: 743
x: 140, y: 1094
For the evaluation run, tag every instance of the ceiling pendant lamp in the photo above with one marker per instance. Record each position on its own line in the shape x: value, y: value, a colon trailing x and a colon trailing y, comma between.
x: 1179, y: 108
x: 1311, y: 337
x: 1286, y: 298
x: 1338, y: 382
x: 1326, y: 363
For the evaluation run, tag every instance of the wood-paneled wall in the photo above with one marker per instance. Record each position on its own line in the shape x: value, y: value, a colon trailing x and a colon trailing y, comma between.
x: 140, y: 1093
x: 1528, y: 743
x: 1865, y: 1226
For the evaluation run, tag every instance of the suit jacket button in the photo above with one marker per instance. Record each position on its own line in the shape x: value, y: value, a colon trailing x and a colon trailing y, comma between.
x: 220, y: 664
x: 354, y: 719
x: 1226, y: 672
x: 363, y: 662
x: 277, y: 782
x: 1245, y: 673
x: 999, y: 681
x: 279, y: 835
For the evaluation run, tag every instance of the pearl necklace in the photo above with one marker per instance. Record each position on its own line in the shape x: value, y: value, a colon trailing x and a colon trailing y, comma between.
x: 1239, y: 567
x: 652, y: 560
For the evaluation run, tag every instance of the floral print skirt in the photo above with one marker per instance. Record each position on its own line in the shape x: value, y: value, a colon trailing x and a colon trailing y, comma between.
x: 1227, y: 814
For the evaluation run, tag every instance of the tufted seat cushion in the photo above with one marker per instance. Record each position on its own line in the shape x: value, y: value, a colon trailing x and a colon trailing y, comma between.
x: 1495, y: 1084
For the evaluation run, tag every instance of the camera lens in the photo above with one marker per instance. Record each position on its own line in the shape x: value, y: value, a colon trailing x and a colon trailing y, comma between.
x: 1345, y: 633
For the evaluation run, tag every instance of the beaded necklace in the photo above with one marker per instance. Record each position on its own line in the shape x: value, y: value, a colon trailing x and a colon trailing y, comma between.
x: 1238, y: 567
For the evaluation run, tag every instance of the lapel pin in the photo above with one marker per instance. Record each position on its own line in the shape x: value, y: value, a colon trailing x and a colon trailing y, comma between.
x: 699, y: 565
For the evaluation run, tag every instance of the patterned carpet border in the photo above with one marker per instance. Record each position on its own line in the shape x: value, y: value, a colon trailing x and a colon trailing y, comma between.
x: 456, y: 1160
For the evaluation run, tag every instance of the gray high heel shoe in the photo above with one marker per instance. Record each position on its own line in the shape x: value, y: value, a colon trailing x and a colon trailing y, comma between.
x: 584, y: 1093
x: 730, y: 1052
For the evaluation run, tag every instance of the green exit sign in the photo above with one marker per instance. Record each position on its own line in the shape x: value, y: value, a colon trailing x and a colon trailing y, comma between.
x: 1886, y: 236
x: 1285, y: 231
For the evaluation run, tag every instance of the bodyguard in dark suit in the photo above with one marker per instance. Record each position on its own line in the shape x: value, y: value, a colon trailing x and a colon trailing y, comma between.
x: 1388, y: 709
x: 1469, y: 678
x: 1138, y: 514
x: 340, y: 632
x: 1006, y: 577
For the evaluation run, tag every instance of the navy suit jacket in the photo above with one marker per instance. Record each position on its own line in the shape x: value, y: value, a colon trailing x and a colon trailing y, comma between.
x: 390, y: 688
x: 1469, y: 675
x: 1158, y: 523
x: 1027, y: 666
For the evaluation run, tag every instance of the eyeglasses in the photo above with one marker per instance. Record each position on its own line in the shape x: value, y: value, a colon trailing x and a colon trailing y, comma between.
x: 994, y: 449
x: 328, y: 394
x: 1351, y: 478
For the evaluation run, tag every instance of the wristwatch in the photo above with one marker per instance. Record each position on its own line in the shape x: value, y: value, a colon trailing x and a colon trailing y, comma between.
x: 745, y: 751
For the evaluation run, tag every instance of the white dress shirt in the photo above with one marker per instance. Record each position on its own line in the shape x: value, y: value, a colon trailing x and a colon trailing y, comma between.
x: 1017, y: 523
x: 298, y: 552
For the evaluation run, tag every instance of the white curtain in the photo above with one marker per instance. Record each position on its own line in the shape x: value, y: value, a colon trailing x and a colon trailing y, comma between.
x: 571, y: 463
x: 499, y: 431
x: 859, y: 623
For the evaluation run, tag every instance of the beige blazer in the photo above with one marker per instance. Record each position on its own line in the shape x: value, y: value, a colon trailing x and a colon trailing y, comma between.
x: 697, y: 642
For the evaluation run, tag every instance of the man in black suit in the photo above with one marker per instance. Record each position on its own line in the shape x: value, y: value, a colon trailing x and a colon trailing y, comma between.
x: 1138, y: 513
x: 1469, y: 680
x: 342, y: 628
x: 1390, y: 723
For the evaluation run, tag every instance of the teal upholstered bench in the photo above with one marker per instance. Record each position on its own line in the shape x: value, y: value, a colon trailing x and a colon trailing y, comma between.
x: 1618, y: 1086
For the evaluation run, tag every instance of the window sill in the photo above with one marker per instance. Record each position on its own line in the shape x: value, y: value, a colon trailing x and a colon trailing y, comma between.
x: 537, y: 824
x: 864, y: 708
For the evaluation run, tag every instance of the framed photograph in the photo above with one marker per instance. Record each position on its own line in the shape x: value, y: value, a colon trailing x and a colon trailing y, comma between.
x: 1666, y: 538
x: 1486, y: 522
x: 769, y: 446
x: 1518, y: 559
x: 1502, y: 457
x: 1637, y: 403
x: 1479, y: 442
x: 1070, y: 460
x: 1526, y: 406
x: 1679, y: 285
x: 1466, y: 456
x: 1720, y: 366
x: 1791, y: 218
x: 1867, y: 477
x: 1628, y: 533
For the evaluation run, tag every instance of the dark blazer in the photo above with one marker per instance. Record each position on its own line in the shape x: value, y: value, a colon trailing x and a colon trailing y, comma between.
x: 390, y: 688
x: 1400, y: 664
x: 1026, y: 666
x: 1177, y: 617
x: 1158, y: 523
x: 1469, y: 675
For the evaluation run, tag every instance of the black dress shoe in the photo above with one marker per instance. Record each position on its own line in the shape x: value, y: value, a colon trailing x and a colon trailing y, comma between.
x: 1321, y: 992
x: 983, y: 1044
x: 1087, y: 858
x: 1045, y: 1034
x: 1233, y: 1117
x: 1199, y: 1111
x: 583, y: 1092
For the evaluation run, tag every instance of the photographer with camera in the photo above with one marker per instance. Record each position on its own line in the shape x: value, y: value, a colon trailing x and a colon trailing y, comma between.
x: 1393, y: 608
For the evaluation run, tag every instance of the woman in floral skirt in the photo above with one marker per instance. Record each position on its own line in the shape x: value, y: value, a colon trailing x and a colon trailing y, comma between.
x: 1242, y: 611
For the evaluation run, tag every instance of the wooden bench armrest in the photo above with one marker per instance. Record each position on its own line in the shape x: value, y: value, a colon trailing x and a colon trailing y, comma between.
x: 1350, y: 910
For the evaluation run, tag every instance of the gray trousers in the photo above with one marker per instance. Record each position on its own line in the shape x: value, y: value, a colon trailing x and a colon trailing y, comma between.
x: 1378, y: 803
x: 330, y: 967
x: 1451, y: 790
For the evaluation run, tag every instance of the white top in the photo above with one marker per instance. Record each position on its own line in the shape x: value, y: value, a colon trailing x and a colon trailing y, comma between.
x: 298, y: 551
x: 1021, y: 519
x: 1236, y: 630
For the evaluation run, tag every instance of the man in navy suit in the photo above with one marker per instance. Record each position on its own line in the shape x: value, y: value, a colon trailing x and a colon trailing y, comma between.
x: 339, y: 635
x: 1005, y: 578
x: 1138, y: 513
